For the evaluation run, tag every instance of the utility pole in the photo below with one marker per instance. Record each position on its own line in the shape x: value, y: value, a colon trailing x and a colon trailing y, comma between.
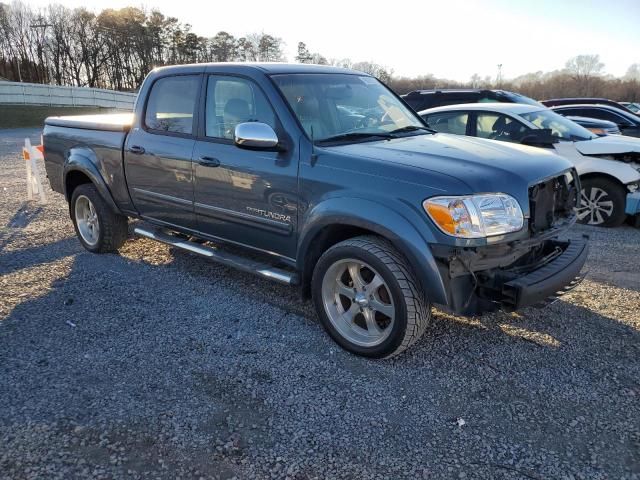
x: 499, y: 77
x: 18, y: 60
x: 44, y: 26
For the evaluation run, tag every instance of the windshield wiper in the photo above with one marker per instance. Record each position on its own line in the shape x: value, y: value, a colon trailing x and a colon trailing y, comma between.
x: 355, y: 136
x: 413, y: 128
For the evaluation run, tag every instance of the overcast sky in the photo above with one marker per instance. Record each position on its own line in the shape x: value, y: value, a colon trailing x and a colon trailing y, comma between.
x: 449, y: 38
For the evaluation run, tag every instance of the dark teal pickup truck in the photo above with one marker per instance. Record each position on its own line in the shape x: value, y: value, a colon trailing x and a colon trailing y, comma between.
x: 329, y: 181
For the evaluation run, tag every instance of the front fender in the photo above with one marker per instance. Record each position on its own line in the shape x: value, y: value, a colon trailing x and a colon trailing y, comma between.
x: 621, y: 171
x: 80, y: 161
x: 384, y: 221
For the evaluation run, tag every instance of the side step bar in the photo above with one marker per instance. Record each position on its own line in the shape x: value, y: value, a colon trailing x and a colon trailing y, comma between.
x: 241, y: 263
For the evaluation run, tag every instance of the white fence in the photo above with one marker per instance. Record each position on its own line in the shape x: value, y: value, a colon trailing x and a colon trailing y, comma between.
x: 17, y: 93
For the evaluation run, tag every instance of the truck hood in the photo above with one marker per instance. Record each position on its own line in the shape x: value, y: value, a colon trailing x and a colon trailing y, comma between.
x: 609, y: 144
x: 483, y: 165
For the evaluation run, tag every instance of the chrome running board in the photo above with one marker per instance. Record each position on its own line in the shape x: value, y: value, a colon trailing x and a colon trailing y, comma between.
x: 225, y: 258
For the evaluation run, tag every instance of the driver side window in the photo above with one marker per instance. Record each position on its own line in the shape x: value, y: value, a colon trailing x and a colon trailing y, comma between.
x: 231, y: 101
x: 496, y: 126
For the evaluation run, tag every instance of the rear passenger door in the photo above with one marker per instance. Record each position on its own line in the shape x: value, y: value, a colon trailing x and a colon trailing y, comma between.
x: 248, y: 197
x: 157, y: 155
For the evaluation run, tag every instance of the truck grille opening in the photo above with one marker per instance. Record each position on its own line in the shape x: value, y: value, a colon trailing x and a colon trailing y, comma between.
x: 553, y: 201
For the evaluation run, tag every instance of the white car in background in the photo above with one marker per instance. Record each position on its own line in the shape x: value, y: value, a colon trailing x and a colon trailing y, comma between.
x: 609, y: 166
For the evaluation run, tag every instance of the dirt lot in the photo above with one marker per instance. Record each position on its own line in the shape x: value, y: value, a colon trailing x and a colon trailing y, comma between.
x: 156, y: 364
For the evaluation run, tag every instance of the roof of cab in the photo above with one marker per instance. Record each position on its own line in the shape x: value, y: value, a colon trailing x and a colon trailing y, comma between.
x: 265, y: 67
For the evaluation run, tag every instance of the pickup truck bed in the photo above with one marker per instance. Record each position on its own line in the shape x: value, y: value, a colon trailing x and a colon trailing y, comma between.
x: 94, y: 145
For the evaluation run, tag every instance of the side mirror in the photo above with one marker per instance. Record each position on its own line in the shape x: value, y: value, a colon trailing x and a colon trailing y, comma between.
x: 255, y: 135
x: 539, y: 138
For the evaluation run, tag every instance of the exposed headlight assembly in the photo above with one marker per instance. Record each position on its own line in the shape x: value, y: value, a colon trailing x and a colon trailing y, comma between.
x: 475, y: 216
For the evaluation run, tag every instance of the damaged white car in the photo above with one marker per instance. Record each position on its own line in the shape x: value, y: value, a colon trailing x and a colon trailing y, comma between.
x: 609, y: 166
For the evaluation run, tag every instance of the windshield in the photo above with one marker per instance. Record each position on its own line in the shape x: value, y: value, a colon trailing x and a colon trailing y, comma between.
x: 634, y: 107
x: 346, y: 107
x: 561, y: 127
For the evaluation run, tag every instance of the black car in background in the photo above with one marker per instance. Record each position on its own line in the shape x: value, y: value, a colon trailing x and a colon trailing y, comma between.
x: 594, y: 125
x: 556, y: 102
x: 423, y: 99
x: 628, y: 123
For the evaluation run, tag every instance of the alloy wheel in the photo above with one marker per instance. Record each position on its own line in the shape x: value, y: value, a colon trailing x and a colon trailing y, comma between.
x: 595, y: 206
x: 87, y: 220
x: 358, y: 302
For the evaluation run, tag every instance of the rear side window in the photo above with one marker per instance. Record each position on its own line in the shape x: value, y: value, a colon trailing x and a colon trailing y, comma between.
x: 448, y: 122
x: 602, y: 114
x: 172, y: 103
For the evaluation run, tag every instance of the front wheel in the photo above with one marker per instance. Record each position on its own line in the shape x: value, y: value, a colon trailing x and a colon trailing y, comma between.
x: 602, y: 203
x: 368, y: 299
x: 98, y: 228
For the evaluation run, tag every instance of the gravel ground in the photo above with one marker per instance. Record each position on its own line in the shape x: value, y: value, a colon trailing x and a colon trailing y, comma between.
x: 156, y: 364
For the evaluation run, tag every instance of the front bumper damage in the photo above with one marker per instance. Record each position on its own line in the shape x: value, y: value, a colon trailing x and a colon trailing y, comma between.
x: 512, y: 277
x: 550, y: 281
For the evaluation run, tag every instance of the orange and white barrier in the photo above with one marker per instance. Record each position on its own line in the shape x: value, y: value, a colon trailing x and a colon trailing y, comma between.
x: 31, y: 156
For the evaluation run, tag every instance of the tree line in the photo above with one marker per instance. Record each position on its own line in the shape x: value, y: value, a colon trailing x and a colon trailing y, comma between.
x: 116, y: 48
x: 111, y: 49
x: 582, y: 76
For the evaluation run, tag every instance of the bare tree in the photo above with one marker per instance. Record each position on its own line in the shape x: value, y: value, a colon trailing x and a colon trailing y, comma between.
x: 379, y: 71
x: 633, y: 72
x: 116, y: 48
x: 583, y: 69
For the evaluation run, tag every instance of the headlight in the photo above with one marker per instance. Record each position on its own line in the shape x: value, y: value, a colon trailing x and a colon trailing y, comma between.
x: 475, y: 216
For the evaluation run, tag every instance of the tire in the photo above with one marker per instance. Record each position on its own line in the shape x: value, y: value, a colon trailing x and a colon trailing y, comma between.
x: 358, y: 320
x: 602, y: 203
x: 99, y: 229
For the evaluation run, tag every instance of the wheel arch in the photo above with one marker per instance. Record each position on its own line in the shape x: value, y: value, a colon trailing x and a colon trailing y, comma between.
x: 606, y: 176
x: 80, y: 169
x: 615, y: 170
x: 337, y: 220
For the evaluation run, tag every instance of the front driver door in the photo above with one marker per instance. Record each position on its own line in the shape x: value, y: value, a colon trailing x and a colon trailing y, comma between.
x: 158, y: 154
x: 249, y: 197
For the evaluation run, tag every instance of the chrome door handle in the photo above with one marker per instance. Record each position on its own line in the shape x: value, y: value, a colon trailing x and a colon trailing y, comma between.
x: 138, y: 150
x: 209, y: 161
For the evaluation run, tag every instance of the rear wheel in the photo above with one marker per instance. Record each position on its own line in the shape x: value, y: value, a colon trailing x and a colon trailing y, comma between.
x: 602, y: 203
x: 98, y: 228
x: 368, y: 298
